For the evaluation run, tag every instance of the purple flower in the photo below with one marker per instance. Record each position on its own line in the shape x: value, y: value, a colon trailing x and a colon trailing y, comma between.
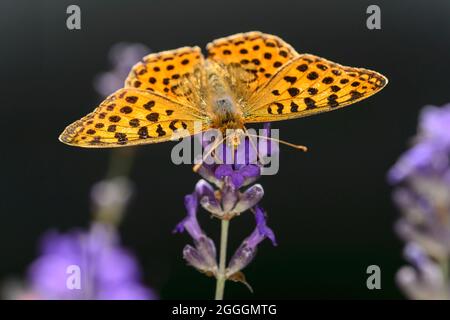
x: 250, y: 157
x: 247, y: 250
x: 203, y: 255
x: 418, y: 159
x: 190, y: 223
x: 221, y: 193
x: 430, y: 155
x: 262, y: 230
x: 106, y: 270
x: 433, y: 124
x: 231, y: 201
x: 425, y: 280
x: 240, y: 175
x: 423, y: 195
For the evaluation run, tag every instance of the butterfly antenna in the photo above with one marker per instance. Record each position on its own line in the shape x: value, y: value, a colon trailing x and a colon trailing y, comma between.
x: 296, y: 146
x: 216, y: 145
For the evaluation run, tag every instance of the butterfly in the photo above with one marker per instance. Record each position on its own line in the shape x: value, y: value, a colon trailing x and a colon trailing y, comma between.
x: 246, y: 78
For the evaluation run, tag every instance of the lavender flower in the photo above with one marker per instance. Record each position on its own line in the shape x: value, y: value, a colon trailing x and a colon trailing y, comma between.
x: 425, y: 280
x: 107, y: 270
x: 240, y: 175
x: 247, y: 250
x: 221, y: 193
x: 203, y: 256
x: 422, y: 176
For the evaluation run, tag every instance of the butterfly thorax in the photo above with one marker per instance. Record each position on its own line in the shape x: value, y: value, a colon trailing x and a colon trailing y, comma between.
x: 223, y: 107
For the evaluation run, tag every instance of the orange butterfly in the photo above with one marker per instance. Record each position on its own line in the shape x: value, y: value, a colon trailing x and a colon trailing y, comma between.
x: 246, y: 78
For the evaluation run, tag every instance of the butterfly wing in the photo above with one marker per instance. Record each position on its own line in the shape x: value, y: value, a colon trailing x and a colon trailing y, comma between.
x: 176, y: 74
x: 308, y: 85
x: 162, y: 100
x: 252, y: 57
x: 131, y: 117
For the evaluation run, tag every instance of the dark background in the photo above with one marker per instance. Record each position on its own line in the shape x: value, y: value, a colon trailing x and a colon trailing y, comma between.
x: 330, y: 208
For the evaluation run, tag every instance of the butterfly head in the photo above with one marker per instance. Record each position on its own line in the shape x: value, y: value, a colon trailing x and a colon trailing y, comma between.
x: 235, y: 137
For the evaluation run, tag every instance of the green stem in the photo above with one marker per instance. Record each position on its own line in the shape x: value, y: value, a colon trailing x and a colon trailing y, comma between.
x: 120, y: 164
x: 121, y: 161
x: 445, y: 263
x: 221, y: 277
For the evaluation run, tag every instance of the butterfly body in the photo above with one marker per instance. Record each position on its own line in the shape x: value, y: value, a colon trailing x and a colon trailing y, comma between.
x: 246, y: 78
x: 223, y: 108
x: 225, y: 115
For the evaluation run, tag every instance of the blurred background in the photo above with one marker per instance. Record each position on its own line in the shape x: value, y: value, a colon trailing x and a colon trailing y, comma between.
x: 330, y: 208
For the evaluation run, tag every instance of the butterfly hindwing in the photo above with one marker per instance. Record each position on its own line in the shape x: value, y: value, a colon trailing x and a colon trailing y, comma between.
x: 309, y: 85
x: 131, y: 116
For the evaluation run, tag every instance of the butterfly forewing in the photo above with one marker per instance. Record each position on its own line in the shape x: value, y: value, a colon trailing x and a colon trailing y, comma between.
x: 131, y: 116
x: 175, y: 74
x: 255, y: 55
x: 309, y: 85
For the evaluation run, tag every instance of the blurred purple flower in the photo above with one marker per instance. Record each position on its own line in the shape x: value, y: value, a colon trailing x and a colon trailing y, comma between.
x: 107, y: 270
x: 424, y: 281
x: 434, y: 124
x: 422, y: 177
x: 122, y: 56
x: 430, y: 153
x: 109, y: 198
